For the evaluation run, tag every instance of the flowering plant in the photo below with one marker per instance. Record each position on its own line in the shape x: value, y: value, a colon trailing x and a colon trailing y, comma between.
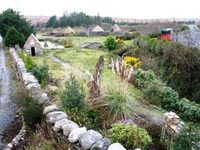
x: 132, y: 61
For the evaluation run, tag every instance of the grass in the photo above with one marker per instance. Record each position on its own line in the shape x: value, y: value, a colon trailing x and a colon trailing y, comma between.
x: 77, y: 40
x: 86, y: 59
x: 54, y: 67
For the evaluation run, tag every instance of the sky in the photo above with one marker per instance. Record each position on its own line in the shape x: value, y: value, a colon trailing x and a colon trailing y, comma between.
x: 138, y: 9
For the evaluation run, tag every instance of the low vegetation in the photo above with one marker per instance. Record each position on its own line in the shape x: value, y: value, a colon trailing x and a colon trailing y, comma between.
x: 130, y: 135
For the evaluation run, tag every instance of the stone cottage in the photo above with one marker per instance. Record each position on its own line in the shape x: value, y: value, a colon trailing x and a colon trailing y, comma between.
x: 33, y: 46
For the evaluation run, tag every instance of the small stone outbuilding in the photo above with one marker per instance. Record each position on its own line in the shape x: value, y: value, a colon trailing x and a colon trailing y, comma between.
x: 97, y: 29
x: 116, y: 28
x: 33, y: 46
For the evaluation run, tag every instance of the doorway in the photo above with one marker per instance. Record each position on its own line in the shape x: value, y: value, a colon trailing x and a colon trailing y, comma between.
x: 33, y: 51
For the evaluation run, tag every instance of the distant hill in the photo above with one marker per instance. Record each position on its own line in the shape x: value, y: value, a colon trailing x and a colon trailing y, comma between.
x: 37, y: 19
x: 43, y: 19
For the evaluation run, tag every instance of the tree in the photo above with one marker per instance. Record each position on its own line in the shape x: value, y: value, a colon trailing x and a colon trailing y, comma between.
x: 14, y: 37
x: 10, y: 18
x: 52, y: 22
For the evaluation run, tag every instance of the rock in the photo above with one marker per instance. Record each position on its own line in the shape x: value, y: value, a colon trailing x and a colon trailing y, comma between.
x: 138, y: 149
x: 93, y: 45
x: 116, y: 146
x: 76, y: 133
x: 29, y: 86
x: 59, y: 124
x: 49, y: 109
x: 68, y: 127
x: 55, y: 116
x: 89, y: 138
x: 9, y: 146
x: 44, y: 98
x: 101, y: 145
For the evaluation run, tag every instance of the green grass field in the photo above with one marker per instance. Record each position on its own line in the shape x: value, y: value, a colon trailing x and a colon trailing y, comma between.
x: 85, y: 60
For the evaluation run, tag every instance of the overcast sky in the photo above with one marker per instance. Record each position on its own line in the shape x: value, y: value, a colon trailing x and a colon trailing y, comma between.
x: 140, y: 9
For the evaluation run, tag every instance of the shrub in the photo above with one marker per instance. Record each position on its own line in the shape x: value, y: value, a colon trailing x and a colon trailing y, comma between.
x: 116, y: 103
x: 14, y: 37
x: 144, y: 78
x: 28, y: 61
x: 32, y: 113
x: 120, y: 43
x: 154, y: 35
x: 154, y: 94
x: 42, y: 74
x: 187, y: 139
x: 170, y: 98
x: 132, y: 61
x: 68, y: 43
x: 130, y: 136
x: 84, y: 117
x: 73, y: 95
x: 189, y: 110
x: 110, y: 43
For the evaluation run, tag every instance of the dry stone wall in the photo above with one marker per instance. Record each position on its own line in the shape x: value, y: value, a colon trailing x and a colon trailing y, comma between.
x: 57, y: 119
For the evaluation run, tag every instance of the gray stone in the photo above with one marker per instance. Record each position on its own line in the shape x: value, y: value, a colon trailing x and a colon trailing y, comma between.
x: 49, y: 109
x: 93, y: 45
x: 59, y: 124
x: 29, y: 86
x: 68, y: 127
x: 44, y: 98
x: 89, y: 138
x: 101, y: 145
x: 55, y: 116
x: 116, y: 146
x: 76, y: 133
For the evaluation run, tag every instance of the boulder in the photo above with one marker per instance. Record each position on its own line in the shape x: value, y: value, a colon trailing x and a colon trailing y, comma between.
x: 44, y: 98
x: 75, y: 134
x: 93, y: 45
x: 49, y: 109
x: 89, y: 138
x: 59, y: 124
x: 55, y: 116
x: 101, y: 145
x: 116, y: 146
x: 68, y: 127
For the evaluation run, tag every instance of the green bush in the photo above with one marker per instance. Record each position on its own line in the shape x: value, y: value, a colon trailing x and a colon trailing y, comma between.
x: 13, y: 37
x: 189, y: 110
x: 130, y: 136
x: 187, y: 139
x: 28, y: 61
x: 32, y: 113
x: 170, y: 98
x: 42, y: 74
x: 68, y: 43
x: 84, y: 117
x: 73, y: 95
x: 144, y: 78
x: 154, y: 94
x: 110, y: 43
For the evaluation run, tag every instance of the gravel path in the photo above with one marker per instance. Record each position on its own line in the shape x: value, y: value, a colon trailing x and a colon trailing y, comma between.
x: 7, y: 108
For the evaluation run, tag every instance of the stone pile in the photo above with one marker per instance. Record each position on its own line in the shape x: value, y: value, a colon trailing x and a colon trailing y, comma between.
x: 56, y: 119
x: 172, y: 123
x: 29, y: 81
x: 87, y: 139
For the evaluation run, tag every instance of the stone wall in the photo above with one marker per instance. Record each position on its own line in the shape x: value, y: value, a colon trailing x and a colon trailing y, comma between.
x: 58, y: 120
